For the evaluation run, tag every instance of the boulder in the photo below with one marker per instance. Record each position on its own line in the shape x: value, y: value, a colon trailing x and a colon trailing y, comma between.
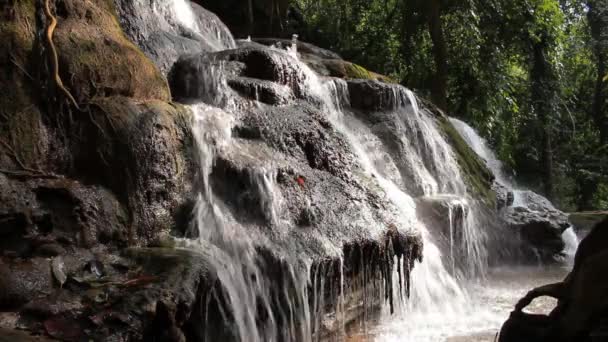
x: 303, y: 47
x: 204, y: 76
x: 580, y: 314
x: 370, y: 95
x: 166, y: 30
x: 262, y: 91
x: 445, y: 215
x: 538, y: 223
x: 96, y: 59
x: 322, y: 61
x: 143, y: 152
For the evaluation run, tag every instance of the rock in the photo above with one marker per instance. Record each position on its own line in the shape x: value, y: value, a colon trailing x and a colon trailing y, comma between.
x: 369, y: 95
x: 263, y: 91
x: 7, y: 335
x: 539, y: 224
x: 163, y: 39
x: 21, y: 281
x: 580, y: 314
x: 446, y: 217
x: 143, y: 153
x: 52, y: 213
x: 504, y: 196
x: 58, y: 268
x: 96, y: 58
x: 193, y: 76
x: 303, y: 47
x: 445, y: 213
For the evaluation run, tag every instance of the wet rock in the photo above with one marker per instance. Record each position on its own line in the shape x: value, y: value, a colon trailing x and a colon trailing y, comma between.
x: 539, y: 224
x: 579, y: 314
x: 143, y: 153
x: 369, y: 95
x: 50, y: 250
x: 504, y: 196
x: 245, y: 187
x: 54, y: 213
x: 443, y: 212
x: 190, y: 77
x: 164, y: 39
x: 110, y: 64
x: 21, y: 281
x: 302, y: 47
x: 263, y: 91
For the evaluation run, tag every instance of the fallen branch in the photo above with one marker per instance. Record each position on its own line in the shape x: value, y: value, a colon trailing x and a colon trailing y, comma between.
x: 54, y: 59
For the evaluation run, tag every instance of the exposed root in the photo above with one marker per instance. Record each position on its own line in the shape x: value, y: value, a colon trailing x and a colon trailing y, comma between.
x: 54, y: 59
x: 25, y: 171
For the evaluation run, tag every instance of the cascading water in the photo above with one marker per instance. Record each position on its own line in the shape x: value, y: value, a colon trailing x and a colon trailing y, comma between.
x: 521, y: 197
x: 436, y: 295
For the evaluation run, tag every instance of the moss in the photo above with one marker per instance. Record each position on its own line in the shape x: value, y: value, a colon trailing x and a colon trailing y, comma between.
x: 478, y: 176
x: 344, y: 69
x: 20, y: 119
x: 96, y: 59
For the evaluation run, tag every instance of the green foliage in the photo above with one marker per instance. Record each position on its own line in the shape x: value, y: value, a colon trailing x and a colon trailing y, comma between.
x: 518, y: 70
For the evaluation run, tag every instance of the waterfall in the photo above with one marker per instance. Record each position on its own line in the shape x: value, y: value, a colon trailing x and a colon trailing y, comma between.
x: 248, y: 292
x: 480, y: 146
x: 195, y: 23
x: 571, y: 242
x: 436, y: 293
x: 521, y: 197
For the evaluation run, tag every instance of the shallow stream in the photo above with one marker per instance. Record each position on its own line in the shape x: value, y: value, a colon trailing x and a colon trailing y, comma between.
x: 491, y: 301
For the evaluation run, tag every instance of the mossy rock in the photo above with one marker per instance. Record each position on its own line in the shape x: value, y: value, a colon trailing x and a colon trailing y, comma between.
x: 144, y: 153
x: 21, y: 130
x: 478, y: 176
x: 344, y: 69
x: 96, y: 59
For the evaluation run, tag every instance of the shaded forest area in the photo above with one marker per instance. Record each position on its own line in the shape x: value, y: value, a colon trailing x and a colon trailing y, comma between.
x: 531, y: 75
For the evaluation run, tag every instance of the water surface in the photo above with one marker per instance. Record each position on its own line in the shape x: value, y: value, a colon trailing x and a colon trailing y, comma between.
x: 490, y: 303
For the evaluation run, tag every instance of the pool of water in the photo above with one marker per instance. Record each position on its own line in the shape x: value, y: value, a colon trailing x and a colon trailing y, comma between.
x: 490, y: 302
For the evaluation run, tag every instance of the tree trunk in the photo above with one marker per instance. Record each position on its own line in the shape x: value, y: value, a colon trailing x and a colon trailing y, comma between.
x: 544, y: 99
x: 440, y: 54
x: 250, y: 19
x: 598, y: 22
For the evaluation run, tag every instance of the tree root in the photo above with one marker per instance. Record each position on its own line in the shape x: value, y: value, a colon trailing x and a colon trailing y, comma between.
x: 24, y: 172
x: 54, y: 59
